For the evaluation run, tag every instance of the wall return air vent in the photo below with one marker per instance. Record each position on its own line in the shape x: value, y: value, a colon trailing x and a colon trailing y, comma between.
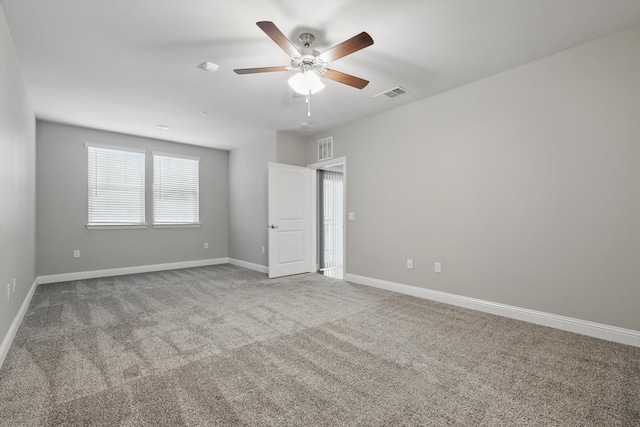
x: 325, y: 148
x: 394, y: 93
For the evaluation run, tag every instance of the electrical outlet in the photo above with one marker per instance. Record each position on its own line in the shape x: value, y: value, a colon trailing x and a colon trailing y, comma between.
x: 76, y: 253
x: 206, y: 245
x: 263, y: 249
x: 409, y: 263
x: 437, y: 267
x: 14, y: 285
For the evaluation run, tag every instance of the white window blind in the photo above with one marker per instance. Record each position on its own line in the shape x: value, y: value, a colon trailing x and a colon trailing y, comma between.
x: 116, y: 186
x: 332, y: 226
x: 175, y: 189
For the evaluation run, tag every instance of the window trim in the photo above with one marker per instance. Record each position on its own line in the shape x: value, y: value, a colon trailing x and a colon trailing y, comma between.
x: 177, y: 225
x: 115, y: 226
x: 115, y: 147
x: 179, y: 156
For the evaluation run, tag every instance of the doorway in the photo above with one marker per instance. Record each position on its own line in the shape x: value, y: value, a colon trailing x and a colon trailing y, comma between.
x: 331, y: 221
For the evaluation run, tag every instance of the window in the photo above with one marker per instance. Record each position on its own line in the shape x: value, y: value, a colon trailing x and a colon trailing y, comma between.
x: 116, y: 186
x: 175, y: 190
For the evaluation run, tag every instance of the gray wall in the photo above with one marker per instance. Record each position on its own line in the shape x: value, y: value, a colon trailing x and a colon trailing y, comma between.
x: 291, y: 149
x: 248, y: 200
x: 248, y: 195
x: 525, y: 185
x: 17, y: 183
x: 62, y: 206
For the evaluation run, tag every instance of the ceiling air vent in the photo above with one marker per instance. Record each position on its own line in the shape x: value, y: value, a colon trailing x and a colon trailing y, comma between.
x: 325, y: 148
x: 394, y: 93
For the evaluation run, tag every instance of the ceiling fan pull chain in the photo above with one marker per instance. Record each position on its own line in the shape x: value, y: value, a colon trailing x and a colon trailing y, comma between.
x: 309, y: 104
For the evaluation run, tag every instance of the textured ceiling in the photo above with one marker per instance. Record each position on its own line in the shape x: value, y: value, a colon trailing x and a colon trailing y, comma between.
x: 128, y: 66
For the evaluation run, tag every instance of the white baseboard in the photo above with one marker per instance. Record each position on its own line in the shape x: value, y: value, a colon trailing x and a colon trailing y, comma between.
x: 15, y: 325
x: 584, y: 327
x: 249, y: 265
x: 81, y: 275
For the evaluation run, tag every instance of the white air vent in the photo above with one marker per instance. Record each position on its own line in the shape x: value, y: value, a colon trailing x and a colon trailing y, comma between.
x: 394, y: 93
x: 325, y: 148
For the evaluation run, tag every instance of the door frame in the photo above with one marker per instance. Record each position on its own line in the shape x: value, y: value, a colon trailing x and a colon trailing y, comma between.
x: 314, y: 216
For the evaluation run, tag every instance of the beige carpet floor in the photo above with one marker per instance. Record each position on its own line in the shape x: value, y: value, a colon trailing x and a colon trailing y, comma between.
x: 225, y: 346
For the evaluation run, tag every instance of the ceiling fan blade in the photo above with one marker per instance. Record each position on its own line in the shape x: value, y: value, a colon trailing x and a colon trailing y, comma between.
x: 260, y: 70
x: 276, y: 35
x: 347, y: 47
x: 346, y: 79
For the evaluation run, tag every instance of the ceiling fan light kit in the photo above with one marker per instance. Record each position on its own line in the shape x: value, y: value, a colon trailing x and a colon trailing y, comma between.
x: 309, y: 64
x: 306, y: 83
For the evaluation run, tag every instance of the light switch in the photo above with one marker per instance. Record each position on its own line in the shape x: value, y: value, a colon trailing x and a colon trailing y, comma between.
x: 352, y: 216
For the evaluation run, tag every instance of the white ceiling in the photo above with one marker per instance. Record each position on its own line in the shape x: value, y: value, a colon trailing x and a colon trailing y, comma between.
x: 130, y: 65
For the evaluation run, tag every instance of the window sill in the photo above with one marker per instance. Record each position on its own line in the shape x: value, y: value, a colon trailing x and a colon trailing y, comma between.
x: 114, y: 226
x: 193, y: 225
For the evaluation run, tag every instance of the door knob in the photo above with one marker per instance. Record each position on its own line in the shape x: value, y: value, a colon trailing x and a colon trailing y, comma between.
x: 273, y: 226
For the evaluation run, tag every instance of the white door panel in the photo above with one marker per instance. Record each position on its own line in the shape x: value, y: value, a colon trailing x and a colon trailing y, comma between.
x: 291, y: 245
x: 290, y: 201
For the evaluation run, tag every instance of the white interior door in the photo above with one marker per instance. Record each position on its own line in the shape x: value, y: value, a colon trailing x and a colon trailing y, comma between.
x: 290, y: 203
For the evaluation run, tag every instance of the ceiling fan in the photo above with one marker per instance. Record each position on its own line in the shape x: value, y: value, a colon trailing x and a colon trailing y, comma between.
x: 310, y: 64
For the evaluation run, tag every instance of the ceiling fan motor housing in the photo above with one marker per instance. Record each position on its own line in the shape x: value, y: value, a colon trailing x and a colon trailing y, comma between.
x: 308, y: 59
